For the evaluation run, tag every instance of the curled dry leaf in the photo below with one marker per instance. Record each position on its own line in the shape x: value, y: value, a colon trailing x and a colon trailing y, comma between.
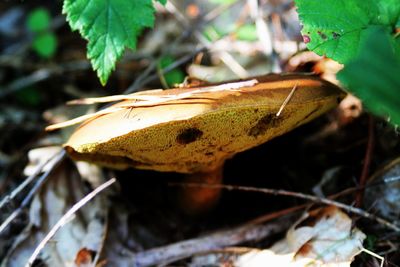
x: 86, y: 231
x: 323, y: 238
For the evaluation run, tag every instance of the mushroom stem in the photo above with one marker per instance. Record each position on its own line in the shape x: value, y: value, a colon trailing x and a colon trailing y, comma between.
x: 198, y: 200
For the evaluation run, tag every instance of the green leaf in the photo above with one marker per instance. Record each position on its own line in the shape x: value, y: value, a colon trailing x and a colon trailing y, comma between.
x: 174, y: 76
x: 38, y: 20
x: 163, y: 2
x: 45, y: 44
x: 29, y: 96
x: 247, y: 32
x: 109, y: 27
x: 374, y: 76
x: 335, y: 28
x: 389, y: 12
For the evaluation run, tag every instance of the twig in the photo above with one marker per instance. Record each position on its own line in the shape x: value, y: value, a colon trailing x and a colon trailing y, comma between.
x: 141, y: 80
x: 298, y: 195
x: 23, y: 82
x: 27, y: 181
x: 65, y: 219
x: 184, y: 249
x: 58, y: 158
x: 41, y: 75
x: 373, y: 254
x: 367, y: 161
x: 286, y: 101
x: 225, y: 57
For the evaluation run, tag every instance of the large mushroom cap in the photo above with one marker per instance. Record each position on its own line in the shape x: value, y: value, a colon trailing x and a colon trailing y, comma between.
x: 199, y: 132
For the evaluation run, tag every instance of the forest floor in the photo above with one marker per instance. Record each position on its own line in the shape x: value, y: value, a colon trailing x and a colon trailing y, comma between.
x: 346, y: 156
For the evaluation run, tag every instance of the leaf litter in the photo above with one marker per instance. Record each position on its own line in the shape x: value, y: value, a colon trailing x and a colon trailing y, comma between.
x: 323, y: 237
x: 41, y: 208
x: 85, y: 231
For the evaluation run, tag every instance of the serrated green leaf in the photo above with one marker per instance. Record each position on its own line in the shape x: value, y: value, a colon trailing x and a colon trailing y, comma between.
x: 335, y: 28
x: 45, y: 44
x: 109, y: 27
x: 374, y: 76
x: 38, y: 20
x: 163, y: 2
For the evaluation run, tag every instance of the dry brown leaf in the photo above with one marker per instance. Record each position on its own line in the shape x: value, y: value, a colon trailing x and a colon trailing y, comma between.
x: 323, y: 238
x: 86, y: 231
x: 327, y: 240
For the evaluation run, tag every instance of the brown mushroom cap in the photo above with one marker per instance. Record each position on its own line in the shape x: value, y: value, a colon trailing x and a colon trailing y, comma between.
x: 199, y: 133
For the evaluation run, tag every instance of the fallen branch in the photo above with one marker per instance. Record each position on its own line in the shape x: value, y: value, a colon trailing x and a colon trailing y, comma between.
x: 327, y: 201
x: 249, y: 232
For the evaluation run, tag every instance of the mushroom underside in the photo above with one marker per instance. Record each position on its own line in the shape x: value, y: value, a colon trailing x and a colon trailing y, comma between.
x: 198, y: 144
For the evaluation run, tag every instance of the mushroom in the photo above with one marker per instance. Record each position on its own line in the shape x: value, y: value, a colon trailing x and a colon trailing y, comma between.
x: 195, y: 130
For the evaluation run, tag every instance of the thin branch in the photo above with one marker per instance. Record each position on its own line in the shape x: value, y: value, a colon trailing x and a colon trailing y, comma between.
x: 142, y: 80
x: 41, y: 75
x: 298, y: 195
x: 66, y: 218
x: 27, y: 181
x: 367, y: 160
x: 286, y: 100
x: 225, y: 57
x: 180, y: 250
x: 57, y: 160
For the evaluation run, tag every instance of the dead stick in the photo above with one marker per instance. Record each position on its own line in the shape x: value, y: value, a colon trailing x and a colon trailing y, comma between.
x: 348, y: 208
x: 25, y: 183
x: 218, y: 240
x: 367, y: 161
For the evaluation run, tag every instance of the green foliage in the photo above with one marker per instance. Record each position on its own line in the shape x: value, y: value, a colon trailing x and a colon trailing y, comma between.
x: 45, y: 44
x: 360, y: 34
x: 109, y: 27
x: 374, y: 75
x: 172, y: 77
x: 247, y: 32
x: 44, y: 41
x: 29, y: 96
x: 336, y: 28
x: 38, y: 20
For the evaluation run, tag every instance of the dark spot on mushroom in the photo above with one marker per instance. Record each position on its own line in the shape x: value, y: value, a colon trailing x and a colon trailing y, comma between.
x: 188, y: 136
x: 338, y: 100
x: 335, y: 35
x: 306, y: 39
x: 265, y: 123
